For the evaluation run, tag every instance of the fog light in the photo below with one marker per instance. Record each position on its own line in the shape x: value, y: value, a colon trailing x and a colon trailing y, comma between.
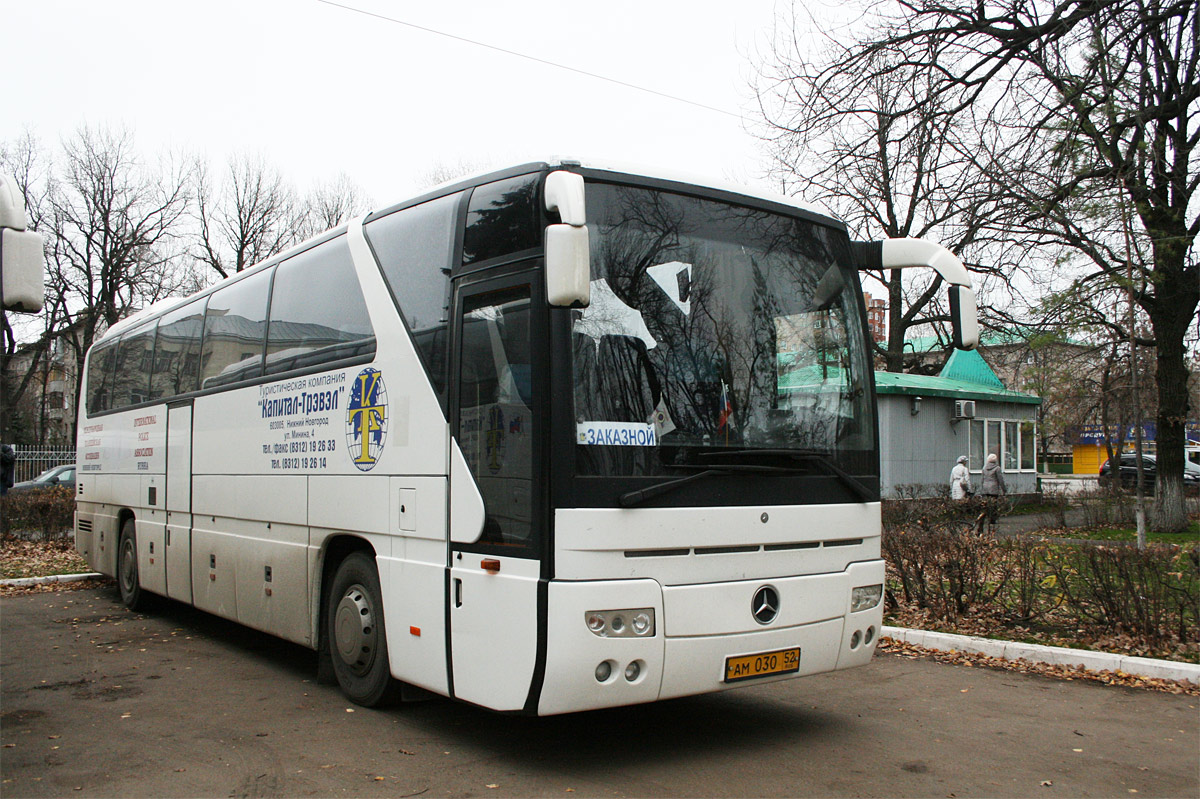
x: 855, y: 639
x: 865, y: 597
x: 633, y: 670
x: 626, y: 623
x: 870, y: 635
x: 603, y: 671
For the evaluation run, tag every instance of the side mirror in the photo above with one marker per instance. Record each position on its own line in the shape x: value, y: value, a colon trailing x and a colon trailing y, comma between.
x: 22, y: 285
x: 908, y: 253
x: 964, y: 317
x: 568, y: 266
x: 568, y: 253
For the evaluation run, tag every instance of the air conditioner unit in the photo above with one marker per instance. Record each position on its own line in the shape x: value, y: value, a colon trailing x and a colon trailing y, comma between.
x: 964, y: 409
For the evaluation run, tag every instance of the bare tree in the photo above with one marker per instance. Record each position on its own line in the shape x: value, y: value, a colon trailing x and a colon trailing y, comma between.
x: 115, y: 225
x: 1090, y: 109
x: 445, y: 172
x: 330, y: 204
x: 253, y: 215
x: 858, y: 146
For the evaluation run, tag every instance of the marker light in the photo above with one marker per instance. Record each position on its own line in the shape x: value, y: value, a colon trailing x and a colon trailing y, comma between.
x: 633, y: 623
x: 865, y: 597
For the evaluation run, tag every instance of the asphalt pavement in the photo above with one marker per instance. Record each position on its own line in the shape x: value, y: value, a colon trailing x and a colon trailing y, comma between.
x: 98, y: 701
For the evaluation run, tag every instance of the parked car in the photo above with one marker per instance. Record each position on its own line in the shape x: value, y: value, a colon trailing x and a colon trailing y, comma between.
x: 55, y: 476
x: 1128, y: 472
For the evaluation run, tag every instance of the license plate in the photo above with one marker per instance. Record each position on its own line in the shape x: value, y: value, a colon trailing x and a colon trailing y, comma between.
x: 764, y: 664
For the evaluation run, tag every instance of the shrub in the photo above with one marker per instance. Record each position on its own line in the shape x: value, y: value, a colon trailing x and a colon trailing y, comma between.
x: 942, y: 566
x: 48, y: 512
x: 1151, y: 594
x: 938, y: 566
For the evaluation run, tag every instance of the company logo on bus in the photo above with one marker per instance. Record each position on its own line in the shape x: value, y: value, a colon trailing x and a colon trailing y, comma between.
x: 366, y: 419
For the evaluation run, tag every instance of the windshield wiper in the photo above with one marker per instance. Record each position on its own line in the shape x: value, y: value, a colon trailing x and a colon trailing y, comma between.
x: 864, y: 493
x: 631, y: 498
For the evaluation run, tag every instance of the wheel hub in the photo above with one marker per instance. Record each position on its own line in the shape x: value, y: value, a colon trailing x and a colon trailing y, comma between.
x: 128, y: 566
x: 354, y: 630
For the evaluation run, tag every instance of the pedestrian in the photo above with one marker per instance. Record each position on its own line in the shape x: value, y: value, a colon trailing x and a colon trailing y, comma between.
x: 960, y: 479
x: 8, y: 468
x: 991, y: 488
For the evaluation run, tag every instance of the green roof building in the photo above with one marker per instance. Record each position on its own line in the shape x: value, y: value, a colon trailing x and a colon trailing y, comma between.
x: 926, y: 422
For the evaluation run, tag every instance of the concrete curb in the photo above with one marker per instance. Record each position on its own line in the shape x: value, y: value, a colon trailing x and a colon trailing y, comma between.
x: 1051, y: 655
x: 22, y: 582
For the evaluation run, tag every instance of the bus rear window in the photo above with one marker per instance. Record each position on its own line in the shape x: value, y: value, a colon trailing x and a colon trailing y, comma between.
x: 99, y: 378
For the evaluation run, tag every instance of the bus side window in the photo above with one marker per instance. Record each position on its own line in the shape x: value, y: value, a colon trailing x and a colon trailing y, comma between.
x: 135, y: 354
x: 177, y: 351
x: 99, y: 378
x: 234, y: 329
x: 414, y: 248
x: 502, y: 219
x: 318, y: 315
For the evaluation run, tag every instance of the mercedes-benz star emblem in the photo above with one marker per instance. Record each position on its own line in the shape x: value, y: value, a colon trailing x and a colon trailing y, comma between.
x: 765, y: 605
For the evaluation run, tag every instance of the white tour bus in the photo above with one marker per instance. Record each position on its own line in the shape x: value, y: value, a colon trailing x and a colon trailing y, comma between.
x: 559, y: 437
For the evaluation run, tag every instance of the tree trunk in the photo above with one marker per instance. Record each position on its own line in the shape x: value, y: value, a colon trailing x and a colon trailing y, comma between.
x: 1170, y: 513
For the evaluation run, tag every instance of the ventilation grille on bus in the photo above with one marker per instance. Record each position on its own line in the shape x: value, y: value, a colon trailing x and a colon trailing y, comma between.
x: 85, y: 525
x: 740, y: 549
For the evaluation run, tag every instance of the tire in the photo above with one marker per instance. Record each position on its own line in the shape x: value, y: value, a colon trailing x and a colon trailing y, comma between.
x: 132, y: 595
x: 355, y: 632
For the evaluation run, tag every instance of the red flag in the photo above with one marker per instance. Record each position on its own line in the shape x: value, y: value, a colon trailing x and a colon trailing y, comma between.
x: 726, y: 408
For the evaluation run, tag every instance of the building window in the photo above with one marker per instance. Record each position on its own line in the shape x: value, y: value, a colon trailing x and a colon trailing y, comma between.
x: 1012, y: 442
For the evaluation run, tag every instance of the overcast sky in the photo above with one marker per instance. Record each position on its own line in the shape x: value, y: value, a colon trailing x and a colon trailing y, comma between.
x: 319, y: 90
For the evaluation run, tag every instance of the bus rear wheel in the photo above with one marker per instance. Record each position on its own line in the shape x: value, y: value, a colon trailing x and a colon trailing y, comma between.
x: 355, y: 632
x: 127, y: 568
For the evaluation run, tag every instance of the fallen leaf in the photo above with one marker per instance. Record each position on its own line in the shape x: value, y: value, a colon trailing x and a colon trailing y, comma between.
x: 1046, y: 783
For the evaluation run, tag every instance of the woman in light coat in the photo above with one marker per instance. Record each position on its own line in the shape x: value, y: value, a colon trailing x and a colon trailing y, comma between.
x: 960, y: 479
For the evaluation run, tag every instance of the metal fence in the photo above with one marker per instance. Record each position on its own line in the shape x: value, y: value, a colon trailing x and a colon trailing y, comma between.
x: 32, y: 461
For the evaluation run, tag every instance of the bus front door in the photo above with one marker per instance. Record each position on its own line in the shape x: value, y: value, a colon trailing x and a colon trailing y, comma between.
x: 179, y: 502
x: 494, y: 581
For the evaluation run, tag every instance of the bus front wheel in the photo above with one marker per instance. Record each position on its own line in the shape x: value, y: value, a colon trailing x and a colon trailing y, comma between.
x: 357, y: 642
x: 127, y: 567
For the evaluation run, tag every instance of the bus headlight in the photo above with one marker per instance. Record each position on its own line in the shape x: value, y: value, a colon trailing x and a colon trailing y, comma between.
x: 865, y: 597
x: 630, y: 623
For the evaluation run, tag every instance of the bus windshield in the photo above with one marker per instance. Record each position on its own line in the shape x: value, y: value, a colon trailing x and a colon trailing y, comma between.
x: 716, y: 330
